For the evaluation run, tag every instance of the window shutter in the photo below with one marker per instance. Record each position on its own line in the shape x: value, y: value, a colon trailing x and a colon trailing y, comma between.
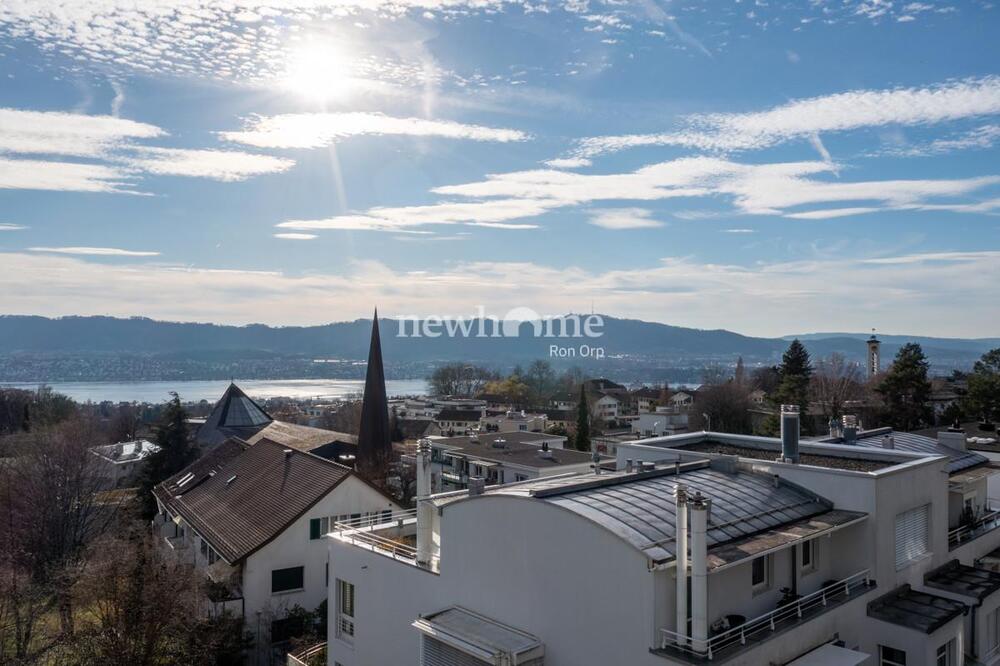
x: 314, y: 528
x: 912, y: 537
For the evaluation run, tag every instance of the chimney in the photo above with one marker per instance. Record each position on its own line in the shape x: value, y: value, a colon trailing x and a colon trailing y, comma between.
x: 477, y: 485
x: 680, y: 494
x: 953, y: 437
x: 790, y: 433
x: 597, y: 462
x: 836, y: 432
x: 850, y: 429
x: 698, y: 508
x: 425, y: 509
x: 138, y: 446
x: 628, y: 465
x: 888, y: 441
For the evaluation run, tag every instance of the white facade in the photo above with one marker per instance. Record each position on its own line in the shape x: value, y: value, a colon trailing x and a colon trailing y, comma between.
x: 591, y: 597
x: 512, y: 421
x: 664, y: 421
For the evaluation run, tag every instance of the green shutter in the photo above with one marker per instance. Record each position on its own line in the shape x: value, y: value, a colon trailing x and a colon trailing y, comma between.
x: 314, y: 528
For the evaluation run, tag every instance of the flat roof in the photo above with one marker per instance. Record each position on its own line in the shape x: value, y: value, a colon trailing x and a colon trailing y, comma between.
x: 963, y: 579
x: 817, y: 460
x: 515, y: 448
x: 912, y: 442
x: 919, y: 611
x: 475, y: 633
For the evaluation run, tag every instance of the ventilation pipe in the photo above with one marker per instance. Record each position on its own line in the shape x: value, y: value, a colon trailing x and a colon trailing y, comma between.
x: 850, y: 429
x: 425, y: 509
x: 888, y: 442
x: 698, y: 507
x: 680, y: 494
x: 790, y: 433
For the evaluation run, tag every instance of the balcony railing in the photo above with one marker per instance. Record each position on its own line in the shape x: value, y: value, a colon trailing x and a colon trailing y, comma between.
x: 387, y: 537
x: 963, y: 533
x: 759, y: 628
x: 315, y: 654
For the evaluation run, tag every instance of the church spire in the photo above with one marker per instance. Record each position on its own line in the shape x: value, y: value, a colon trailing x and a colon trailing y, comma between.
x: 374, y: 442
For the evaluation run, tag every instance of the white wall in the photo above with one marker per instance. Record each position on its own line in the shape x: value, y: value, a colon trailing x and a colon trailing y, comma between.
x: 293, y: 548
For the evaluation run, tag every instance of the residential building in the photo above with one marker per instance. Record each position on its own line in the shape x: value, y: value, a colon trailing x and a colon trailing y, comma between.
x: 450, y: 422
x: 120, y: 464
x: 502, y: 458
x: 514, y: 421
x: 566, y: 401
x: 607, y: 406
x: 645, y: 399
x: 663, y: 421
x: 790, y: 553
x: 251, y: 517
x: 682, y: 399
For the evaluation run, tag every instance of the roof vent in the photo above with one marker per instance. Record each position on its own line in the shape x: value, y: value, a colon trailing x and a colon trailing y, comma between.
x: 288, y: 453
x: 850, y: 429
x: 230, y: 479
x: 477, y: 485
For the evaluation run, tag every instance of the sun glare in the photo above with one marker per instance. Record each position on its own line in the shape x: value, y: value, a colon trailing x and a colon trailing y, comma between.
x: 318, y: 72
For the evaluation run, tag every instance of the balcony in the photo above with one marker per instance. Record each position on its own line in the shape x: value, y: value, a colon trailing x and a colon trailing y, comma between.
x: 977, y: 528
x: 393, y: 536
x: 311, y: 656
x: 726, y: 644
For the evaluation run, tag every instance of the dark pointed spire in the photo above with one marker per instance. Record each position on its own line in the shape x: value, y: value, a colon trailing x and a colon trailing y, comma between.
x: 374, y: 442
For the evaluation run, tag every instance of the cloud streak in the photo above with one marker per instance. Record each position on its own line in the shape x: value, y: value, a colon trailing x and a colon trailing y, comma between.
x: 73, y: 134
x: 94, y: 251
x: 222, y: 165
x: 316, y: 130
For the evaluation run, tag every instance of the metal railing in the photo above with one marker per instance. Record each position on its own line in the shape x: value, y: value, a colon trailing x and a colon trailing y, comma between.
x: 369, y: 535
x: 766, y: 623
x: 987, y: 523
x: 308, y: 656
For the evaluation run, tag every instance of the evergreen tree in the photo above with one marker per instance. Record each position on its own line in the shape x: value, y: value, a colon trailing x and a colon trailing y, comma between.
x: 905, y: 390
x: 174, y: 455
x: 795, y: 372
x: 739, y: 376
x: 582, y: 439
x: 983, y: 399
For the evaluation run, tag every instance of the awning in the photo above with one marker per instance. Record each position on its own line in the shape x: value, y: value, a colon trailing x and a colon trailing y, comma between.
x: 830, y: 655
x: 480, y: 636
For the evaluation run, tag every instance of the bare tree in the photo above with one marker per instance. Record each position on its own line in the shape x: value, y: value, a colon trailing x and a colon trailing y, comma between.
x: 836, y: 382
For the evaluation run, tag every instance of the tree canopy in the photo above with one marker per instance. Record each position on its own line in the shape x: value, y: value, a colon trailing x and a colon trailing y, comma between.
x: 905, y: 389
x: 983, y: 398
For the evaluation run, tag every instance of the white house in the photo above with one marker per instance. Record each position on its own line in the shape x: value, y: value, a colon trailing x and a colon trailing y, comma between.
x: 450, y: 422
x: 607, y: 406
x: 501, y: 458
x: 120, y: 464
x: 252, y: 518
x: 514, y: 421
x: 790, y: 553
x: 664, y: 421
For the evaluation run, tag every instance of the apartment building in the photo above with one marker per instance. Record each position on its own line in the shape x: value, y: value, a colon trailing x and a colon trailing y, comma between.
x: 698, y: 548
x: 121, y: 464
x: 252, y: 519
x: 514, y: 421
x: 501, y: 458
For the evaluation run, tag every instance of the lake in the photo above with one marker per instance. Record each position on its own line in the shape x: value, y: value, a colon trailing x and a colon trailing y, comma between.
x: 212, y: 390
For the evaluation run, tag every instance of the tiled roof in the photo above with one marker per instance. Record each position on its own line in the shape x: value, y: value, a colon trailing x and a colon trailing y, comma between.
x: 458, y: 415
x: 243, y: 498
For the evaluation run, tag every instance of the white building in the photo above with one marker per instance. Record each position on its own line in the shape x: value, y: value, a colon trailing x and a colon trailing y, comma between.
x: 664, y: 421
x: 501, y: 458
x: 252, y: 518
x: 607, y: 407
x: 120, y: 464
x: 514, y: 421
x: 811, y: 553
x: 450, y: 421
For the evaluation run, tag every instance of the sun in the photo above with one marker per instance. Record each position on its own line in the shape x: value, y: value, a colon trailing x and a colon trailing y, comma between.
x: 318, y: 72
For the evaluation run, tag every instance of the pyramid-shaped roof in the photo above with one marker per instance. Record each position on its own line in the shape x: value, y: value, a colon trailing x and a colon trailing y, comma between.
x: 374, y: 441
x: 234, y: 414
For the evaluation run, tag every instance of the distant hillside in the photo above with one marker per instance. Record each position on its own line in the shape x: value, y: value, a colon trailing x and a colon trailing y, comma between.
x: 67, y: 346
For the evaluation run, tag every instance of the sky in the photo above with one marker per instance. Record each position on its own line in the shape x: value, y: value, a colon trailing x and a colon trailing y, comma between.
x: 766, y: 167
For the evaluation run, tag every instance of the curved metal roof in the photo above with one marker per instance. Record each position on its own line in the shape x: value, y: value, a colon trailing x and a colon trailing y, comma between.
x: 641, y: 508
x: 908, y: 441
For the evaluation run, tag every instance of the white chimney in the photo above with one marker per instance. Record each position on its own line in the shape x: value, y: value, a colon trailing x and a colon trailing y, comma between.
x: 680, y: 493
x: 888, y: 441
x: 850, y: 429
x: 790, y: 433
x: 425, y: 509
x: 953, y: 438
x: 699, y: 572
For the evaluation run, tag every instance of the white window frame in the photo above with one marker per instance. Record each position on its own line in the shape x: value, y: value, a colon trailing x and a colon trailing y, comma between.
x: 993, y: 629
x: 945, y: 654
x: 345, y: 620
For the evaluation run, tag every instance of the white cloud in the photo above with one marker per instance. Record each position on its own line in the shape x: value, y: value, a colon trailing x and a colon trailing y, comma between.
x: 494, y: 213
x: 624, y: 218
x: 6, y: 226
x: 65, y: 176
x: 294, y: 236
x: 740, y: 230
x: 224, y: 165
x: 315, y: 130
x: 94, y: 251
x: 568, y: 163
x: 894, y: 291
x: 58, y: 133
x: 807, y: 118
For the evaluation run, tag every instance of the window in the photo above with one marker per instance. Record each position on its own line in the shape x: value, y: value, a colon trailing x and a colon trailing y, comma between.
x: 946, y: 654
x: 993, y: 630
x: 345, y: 610
x: 760, y: 575
x: 888, y: 656
x: 911, y: 535
x: 807, y: 556
x: 286, y: 580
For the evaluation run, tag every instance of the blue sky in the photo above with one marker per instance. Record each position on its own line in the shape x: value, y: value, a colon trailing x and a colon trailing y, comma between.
x: 766, y: 167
